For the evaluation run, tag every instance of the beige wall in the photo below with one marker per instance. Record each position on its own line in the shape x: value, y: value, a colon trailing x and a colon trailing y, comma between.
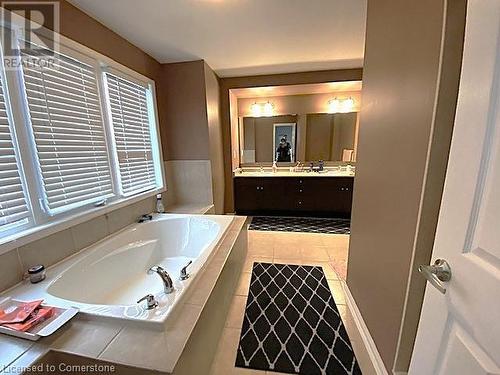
x: 192, y: 126
x: 298, y: 104
x: 400, y: 85
x: 215, y: 137
x: 234, y: 132
x: 185, y: 129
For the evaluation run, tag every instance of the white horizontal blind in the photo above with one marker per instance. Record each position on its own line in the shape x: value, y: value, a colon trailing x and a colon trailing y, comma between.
x: 13, y: 206
x: 131, y: 127
x: 68, y: 129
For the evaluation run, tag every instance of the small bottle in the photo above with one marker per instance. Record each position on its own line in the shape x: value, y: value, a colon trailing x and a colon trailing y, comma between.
x: 159, y: 205
x: 36, y: 273
x: 275, y: 167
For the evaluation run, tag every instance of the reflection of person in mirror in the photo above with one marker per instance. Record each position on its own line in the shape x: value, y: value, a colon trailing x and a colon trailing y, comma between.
x: 284, y: 151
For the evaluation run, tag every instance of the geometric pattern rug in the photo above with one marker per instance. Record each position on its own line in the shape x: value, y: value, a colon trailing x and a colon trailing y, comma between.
x: 292, y: 324
x: 301, y: 224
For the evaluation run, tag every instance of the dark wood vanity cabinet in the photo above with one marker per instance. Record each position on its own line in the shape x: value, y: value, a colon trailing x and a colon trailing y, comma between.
x: 294, y: 196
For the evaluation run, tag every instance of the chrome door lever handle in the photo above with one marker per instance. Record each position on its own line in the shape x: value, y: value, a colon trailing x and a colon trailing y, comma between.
x: 437, y: 273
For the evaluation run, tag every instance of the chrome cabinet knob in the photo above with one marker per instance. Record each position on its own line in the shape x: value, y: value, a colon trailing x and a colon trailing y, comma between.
x: 437, y: 274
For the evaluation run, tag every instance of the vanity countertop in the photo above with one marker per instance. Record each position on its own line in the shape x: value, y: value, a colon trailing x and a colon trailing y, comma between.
x: 287, y: 173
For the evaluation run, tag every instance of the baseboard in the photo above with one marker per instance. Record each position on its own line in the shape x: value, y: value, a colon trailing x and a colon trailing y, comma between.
x: 368, y: 342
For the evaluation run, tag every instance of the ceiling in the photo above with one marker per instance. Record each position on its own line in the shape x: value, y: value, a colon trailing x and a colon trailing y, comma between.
x: 314, y: 88
x: 241, y: 37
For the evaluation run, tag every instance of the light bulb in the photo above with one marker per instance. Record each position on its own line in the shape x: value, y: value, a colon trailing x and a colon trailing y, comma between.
x: 256, y: 110
x: 333, y: 105
x: 347, y: 105
x: 268, y: 109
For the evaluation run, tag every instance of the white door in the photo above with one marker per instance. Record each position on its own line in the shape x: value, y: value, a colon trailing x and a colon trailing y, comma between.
x: 459, y: 331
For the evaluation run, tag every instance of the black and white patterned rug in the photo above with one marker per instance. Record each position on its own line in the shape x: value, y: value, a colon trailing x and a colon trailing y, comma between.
x: 292, y: 324
x: 301, y: 224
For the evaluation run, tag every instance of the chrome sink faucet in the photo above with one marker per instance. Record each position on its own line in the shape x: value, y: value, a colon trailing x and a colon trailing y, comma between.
x: 168, y: 285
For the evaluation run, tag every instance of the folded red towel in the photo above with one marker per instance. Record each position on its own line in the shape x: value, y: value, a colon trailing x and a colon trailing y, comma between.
x: 20, y: 313
x: 38, y: 316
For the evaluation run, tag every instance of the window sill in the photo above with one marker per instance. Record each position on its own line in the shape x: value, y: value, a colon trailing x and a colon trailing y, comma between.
x: 40, y: 231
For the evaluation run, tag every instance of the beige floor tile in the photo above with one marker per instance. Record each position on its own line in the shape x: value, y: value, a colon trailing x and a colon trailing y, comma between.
x: 337, y: 291
x: 288, y: 238
x: 261, y: 236
x: 243, y: 284
x: 249, y: 261
x: 363, y: 358
x: 336, y: 240
x: 337, y: 253
x: 328, y: 269
x: 360, y: 351
x: 260, y: 243
x: 340, y: 267
x: 348, y: 320
x: 287, y: 252
x: 317, y: 253
x: 226, y: 355
x: 258, y: 250
x: 310, y: 240
x: 287, y: 261
x: 236, y: 312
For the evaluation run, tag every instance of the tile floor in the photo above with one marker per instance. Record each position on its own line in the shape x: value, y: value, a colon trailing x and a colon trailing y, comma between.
x: 328, y: 251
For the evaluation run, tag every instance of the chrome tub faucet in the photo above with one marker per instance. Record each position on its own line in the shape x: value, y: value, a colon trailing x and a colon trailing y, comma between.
x: 168, y: 285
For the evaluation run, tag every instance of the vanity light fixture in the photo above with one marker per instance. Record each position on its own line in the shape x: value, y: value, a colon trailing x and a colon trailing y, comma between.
x: 340, y: 105
x: 262, y: 109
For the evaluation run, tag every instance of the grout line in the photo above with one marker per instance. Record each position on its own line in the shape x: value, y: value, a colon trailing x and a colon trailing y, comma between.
x: 110, y: 342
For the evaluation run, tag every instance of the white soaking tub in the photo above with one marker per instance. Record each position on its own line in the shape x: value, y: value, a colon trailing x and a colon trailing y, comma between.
x: 109, y: 277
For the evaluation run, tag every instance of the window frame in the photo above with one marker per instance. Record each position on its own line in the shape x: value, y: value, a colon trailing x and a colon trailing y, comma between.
x: 153, y: 130
x: 41, y: 223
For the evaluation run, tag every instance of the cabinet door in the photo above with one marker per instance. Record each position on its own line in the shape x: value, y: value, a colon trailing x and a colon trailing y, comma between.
x: 274, y: 195
x: 336, y: 196
x: 248, y: 193
x: 260, y: 194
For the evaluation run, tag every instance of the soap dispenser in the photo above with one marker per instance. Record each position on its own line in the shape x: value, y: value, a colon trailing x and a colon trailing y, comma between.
x: 275, y: 167
x: 159, y: 205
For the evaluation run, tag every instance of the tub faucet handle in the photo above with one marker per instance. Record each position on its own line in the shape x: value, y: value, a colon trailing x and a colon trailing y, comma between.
x: 184, y: 274
x: 150, y: 300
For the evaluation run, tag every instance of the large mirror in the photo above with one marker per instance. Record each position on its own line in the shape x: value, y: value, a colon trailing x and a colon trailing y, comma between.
x: 291, y: 138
